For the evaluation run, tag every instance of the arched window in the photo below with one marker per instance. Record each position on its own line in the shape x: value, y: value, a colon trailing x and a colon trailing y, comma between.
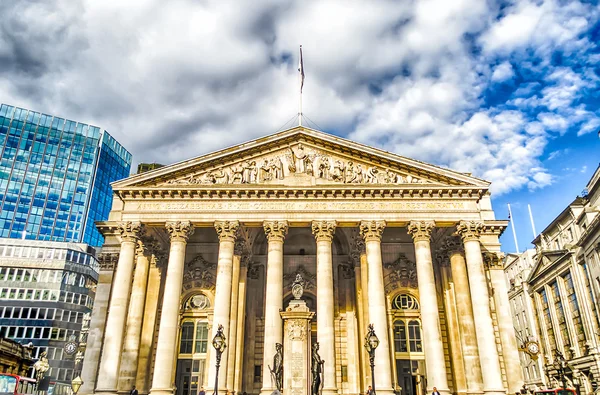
x: 400, y: 336
x: 414, y: 336
x: 405, y: 302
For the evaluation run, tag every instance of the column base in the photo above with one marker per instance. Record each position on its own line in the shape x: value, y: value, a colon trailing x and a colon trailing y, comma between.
x: 329, y: 391
x: 105, y: 391
x: 161, y: 391
x: 387, y: 392
x: 495, y: 392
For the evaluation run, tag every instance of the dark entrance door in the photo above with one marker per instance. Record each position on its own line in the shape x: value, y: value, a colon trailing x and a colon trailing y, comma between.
x: 404, y: 375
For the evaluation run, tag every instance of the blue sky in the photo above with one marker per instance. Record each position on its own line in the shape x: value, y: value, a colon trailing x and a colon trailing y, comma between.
x: 505, y: 90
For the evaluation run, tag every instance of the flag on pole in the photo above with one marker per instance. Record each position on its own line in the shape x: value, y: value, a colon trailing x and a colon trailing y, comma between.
x: 301, y: 70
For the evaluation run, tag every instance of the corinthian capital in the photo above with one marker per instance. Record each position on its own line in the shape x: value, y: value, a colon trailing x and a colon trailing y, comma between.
x: 453, y: 245
x: 130, y: 231
x: 275, y: 230
x: 494, y: 260
x: 179, y: 230
x: 240, y: 248
x: 227, y: 230
x: 324, y: 230
x: 421, y: 230
x: 372, y: 230
x: 469, y: 230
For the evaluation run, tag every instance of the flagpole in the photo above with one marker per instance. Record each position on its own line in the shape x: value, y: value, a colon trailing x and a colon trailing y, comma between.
x: 301, y: 84
x: 512, y: 223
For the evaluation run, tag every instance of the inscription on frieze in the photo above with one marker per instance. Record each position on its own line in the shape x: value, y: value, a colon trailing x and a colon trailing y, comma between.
x: 298, y: 206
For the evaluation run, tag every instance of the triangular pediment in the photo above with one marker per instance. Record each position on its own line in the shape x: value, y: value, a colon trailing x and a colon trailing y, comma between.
x: 547, y: 260
x: 299, y: 157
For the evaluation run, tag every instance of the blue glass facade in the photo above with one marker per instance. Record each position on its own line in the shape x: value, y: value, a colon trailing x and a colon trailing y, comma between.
x: 55, y: 176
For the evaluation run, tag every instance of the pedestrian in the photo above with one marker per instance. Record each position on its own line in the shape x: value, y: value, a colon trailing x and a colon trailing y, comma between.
x: 370, y: 391
x: 435, y: 391
x: 133, y: 391
x: 202, y: 392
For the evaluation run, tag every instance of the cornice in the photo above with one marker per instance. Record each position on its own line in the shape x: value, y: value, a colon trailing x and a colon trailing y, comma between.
x: 407, y: 191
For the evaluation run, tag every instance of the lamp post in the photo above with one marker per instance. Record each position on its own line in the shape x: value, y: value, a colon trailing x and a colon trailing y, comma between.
x: 561, y: 366
x: 371, y: 343
x: 218, y: 343
x: 576, y: 383
x: 76, y: 384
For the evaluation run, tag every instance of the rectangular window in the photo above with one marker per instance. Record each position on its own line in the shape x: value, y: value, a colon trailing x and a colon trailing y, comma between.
x: 187, y: 338
x: 548, y: 320
x: 257, y: 373
x: 201, y: 337
x: 575, y: 313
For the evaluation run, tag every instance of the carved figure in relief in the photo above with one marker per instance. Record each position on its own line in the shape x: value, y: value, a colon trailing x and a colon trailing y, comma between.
x: 308, y: 165
x: 277, y: 168
x: 357, y: 175
x: 248, y: 171
x: 298, y: 157
x: 265, y: 172
x: 317, y: 370
x: 237, y: 174
x: 323, y: 168
x: 391, y: 177
x: 371, y: 175
x: 349, y: 172
x: 338, y: 171
x: 277, y: 371
x: 219, y: 177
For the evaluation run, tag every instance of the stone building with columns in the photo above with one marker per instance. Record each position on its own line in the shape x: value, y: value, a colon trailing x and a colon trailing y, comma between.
x: 378, y: 238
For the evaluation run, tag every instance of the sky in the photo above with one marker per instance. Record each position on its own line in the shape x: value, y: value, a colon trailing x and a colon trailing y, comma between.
x: 505, y: 90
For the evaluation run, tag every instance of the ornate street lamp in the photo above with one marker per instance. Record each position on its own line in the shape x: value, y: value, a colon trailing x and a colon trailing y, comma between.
x: 371, y: 343
x: 560, y: 364
x: 76, y: 384
x: 218, y: 343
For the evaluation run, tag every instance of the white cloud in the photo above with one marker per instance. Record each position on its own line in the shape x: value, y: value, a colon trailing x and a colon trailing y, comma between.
x: 172, y: 80
x: 503, y: 72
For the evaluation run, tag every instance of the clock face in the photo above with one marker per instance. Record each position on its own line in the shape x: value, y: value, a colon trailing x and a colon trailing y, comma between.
x: 533, y: 348
x: 70, y: 348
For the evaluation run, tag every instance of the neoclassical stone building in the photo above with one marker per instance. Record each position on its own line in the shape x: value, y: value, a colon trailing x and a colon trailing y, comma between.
x: 378, y: 238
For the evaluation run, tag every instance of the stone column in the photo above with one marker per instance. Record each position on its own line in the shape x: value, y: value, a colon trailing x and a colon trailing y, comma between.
x: 108, y: 263
x: 241, y: 321
x: 371, y: 231
x: 514, y: 373
x: 276, y: 232
x: 361, y: 325
x: 452, y: 327
x: 166, y: 347
x: 238, y: 251
x: 227, y: 232
x: 131, y: 347
x: 430, y: 318
x: 323, y: 232
x: 117, y: 311
x: 149, y: 325
x: 466, y: 322
x: 484, y: 328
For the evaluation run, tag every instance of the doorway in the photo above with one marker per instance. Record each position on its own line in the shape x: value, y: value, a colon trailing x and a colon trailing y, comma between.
x: 407, y: 376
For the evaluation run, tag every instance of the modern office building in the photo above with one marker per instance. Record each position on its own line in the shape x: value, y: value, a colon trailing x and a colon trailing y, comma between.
x: 554, y: 295
x: 47, y: 291
x: 55, y: 176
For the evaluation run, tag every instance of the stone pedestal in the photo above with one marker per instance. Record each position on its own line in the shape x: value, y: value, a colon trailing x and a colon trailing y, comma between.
x: 296, y: 348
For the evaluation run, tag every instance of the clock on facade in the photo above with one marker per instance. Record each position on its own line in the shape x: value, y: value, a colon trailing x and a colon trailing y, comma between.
x: 532, y: 348
x: 70, y: 348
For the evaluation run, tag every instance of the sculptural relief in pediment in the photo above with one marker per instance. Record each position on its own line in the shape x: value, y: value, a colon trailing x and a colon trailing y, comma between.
x: 298, y: 165
x: 199, y: 273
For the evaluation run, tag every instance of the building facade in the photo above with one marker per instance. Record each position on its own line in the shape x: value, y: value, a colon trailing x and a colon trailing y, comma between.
x: 554, y: 297
x: 55, y: 176
x: 46, y: 296
x: 15, y: 358
x: 376, y: 238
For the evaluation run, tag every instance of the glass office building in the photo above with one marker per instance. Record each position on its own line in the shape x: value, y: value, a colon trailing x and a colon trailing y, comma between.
x: 55, y: 176
x: 47, y: 291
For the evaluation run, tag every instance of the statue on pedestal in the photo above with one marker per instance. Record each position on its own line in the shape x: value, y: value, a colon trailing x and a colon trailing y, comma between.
x: 277, y: 371
x: 317, y: 371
